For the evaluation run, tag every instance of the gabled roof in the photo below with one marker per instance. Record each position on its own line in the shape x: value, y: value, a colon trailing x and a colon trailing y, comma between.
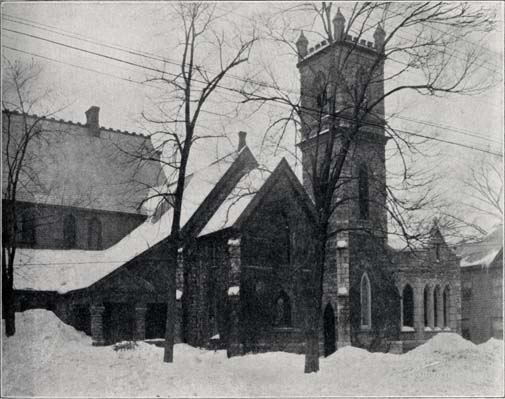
x: 73, y: 167
x: 483, y: 253
x: 247, y: 195
x: 69, y: 270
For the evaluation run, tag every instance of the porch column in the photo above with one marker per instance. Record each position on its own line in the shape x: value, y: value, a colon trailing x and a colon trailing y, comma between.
x: 140, y: 321
x: 342, y: 317
x: 419, y: 310
x: 440, y: 309
x: 97, y: 332
x: 430, y: 308
x: 234, y: 345
x: 178, y: 317
x: 343, y: 306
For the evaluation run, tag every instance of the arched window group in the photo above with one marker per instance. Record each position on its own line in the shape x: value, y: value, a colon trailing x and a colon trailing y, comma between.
x: 94, y: 230
x: 436, y: 307
x: 366, y: 302
x: 282, y: 310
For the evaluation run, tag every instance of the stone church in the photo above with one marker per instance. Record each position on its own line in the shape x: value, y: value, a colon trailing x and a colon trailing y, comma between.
x: 242, y: 277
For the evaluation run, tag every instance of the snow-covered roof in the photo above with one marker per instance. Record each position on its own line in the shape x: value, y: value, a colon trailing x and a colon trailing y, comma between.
x: 77, y: 169
x: 236, y: 202
x: 68, y: 270
x: 484, y: 252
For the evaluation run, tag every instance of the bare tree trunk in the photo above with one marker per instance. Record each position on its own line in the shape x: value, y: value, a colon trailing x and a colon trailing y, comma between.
x: 8, y: 251
x: 168, y: 356
x: 10, y: 313
x: 315, y: 299
x: 312, y: 337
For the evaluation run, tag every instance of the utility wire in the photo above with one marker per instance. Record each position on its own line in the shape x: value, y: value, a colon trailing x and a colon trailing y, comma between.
x: 432, y: 124
x: 228, y: 88
x: 101, y: 73
x: 160, y: 58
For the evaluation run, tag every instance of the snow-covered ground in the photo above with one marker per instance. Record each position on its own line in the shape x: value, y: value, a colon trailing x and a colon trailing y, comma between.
x: 48, y: 358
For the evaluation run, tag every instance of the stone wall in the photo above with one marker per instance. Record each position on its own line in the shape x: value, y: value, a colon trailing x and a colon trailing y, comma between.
x: 368, y: 256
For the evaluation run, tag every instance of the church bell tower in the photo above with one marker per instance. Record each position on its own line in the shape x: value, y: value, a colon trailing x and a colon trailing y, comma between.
x: 342, y: 86
x: 342, y: 83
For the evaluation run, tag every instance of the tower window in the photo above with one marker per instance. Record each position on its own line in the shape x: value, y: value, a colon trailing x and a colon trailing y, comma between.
x: 363, y: 192
x: 69, y: 231
x: 366, y: 305
x: 320, y: 90
x: 95, y: 234
x: 361, y: 88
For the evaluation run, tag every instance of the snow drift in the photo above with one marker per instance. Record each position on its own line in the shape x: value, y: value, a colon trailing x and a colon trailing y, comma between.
x: 49, y: 358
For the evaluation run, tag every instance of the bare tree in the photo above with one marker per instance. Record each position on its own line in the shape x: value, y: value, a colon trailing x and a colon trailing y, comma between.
x: 345, y: 99
x: 21, y: 131
x: 484, y: 187
x: 207, y: 52
x: 480, y: 203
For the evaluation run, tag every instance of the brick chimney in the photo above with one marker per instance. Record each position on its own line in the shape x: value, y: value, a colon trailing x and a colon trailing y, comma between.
x: 92, y: 120
x: 241, y: 140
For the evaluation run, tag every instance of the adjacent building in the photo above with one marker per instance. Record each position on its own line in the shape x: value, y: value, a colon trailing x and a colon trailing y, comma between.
x: 82, y: 185
x: 482, y: 288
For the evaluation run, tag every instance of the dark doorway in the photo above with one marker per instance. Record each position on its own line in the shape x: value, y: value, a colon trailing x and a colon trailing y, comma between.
x: 156, y: 318
x: 329, y: 330
x: 119, y: 322
x: 82, y: 318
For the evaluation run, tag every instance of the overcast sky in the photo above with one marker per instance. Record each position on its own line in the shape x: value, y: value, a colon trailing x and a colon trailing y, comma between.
x: 82, y: 79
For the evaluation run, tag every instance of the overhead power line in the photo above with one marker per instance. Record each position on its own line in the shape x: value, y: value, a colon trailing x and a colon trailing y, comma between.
x: 157, y: 57
x: 163, y: 59
x: 236, y: 91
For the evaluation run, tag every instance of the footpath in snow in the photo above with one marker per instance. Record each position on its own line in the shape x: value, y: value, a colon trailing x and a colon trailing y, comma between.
x: 49, y: 358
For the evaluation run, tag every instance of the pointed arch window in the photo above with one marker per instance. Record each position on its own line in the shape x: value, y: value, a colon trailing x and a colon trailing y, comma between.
x: 69, y: 231
x: 363, y: 192
x: 366, y: 303
x: 320, y: 91
x: 283, y: 310
x: 95, y: 234
x: 426, y: 307
x: 408, y: 306
x: 361, y: 92
x: 446, y: 299
x: 437, y: 309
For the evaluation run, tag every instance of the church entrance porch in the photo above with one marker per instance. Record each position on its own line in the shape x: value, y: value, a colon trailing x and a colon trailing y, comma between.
x: 119, y: 322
